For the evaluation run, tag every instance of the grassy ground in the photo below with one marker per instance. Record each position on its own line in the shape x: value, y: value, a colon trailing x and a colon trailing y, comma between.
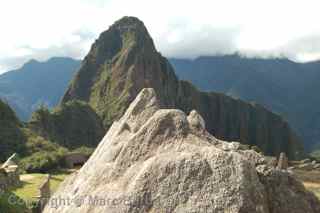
x: 20, y: 199
x: 310, y: 179
x: 30, y: 183
x: 9, y: 207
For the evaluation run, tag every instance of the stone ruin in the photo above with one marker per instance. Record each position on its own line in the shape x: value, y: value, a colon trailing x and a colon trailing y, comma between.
x: 305, y: 165
x: 44, y: 194
x: 9, y: 174
x: 283, y: 161
x: 73, y: 160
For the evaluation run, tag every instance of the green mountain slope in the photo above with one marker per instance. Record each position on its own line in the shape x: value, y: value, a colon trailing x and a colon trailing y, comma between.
x: 71, y: 125
x: 12, y: 138
x: 42, y: 143
x: 123, y: 60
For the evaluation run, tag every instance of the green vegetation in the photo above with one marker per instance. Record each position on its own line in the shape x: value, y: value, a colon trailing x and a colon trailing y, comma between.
x: 36, y: 151
x: 84, y: 150
x: 11, y: 203
x: 23, y: 198
x: 31, y: 182
x: 316, y: 154
x: 37, y: 154
x: 41, y: 155
x: 12, y: 138
x: 29, y: 188
x: 71, y: 125
x: 106, y: 99
x: 57, y: 177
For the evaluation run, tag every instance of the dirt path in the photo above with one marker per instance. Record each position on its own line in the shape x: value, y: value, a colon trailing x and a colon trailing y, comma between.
x: 311, y: 184
x: 26, y: 177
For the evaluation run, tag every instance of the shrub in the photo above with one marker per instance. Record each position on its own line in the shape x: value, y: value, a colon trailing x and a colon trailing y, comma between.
x: 72, y: 125
x: 11, y: 137
x: 42, y: 155
x: 257, y: 149
x: 18, y: 206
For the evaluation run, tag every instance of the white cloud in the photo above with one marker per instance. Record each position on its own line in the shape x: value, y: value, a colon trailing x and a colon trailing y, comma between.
x: 42, y: 29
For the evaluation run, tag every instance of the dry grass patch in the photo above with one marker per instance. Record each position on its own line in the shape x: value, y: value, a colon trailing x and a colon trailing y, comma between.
x: 310, y: 179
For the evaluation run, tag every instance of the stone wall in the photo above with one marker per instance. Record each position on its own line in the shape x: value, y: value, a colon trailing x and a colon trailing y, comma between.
x: 9, y: 177
x: 3, y: 181
x: 44, y: 193
x: 74, y: 159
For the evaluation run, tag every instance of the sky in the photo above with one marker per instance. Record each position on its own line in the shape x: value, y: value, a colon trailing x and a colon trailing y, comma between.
x: 40, y: 29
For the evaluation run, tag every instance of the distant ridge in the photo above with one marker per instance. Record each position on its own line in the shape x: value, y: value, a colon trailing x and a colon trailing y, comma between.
x: 283, y: 86
x: 37, y: 83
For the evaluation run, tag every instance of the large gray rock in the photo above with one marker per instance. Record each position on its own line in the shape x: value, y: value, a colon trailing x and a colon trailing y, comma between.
x: 160, y: 160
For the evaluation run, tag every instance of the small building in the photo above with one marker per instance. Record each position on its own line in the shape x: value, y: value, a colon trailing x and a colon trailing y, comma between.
x: 73, y: 160
x: 9, y: 174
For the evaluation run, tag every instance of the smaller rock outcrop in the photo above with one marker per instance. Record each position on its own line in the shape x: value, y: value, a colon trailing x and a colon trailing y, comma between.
x: 283, y: 161
x: 196, y: 121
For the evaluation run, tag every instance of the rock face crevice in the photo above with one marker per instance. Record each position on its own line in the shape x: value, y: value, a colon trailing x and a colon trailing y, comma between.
x: 123, y: 61
x: 161, y: 160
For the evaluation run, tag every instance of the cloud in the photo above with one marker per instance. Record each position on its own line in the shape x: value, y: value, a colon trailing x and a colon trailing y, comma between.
x: 43, y: 29
x: 192, y: 43
x: 304, y: 49
x: 75, y: 46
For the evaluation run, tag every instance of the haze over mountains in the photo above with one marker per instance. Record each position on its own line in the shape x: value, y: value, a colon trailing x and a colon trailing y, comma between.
x: 283, y: 86
x: 37, y: 83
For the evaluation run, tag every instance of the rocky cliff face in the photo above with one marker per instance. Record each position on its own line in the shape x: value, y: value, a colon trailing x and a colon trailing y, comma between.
x: 161, y: 160
x: 283, y: 86
x: 124, y: 60
x: 235, y: 120
x: 120, y: 63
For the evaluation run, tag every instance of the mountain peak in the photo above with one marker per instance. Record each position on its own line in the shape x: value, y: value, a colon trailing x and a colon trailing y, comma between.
x: 126, y: 33
x: 118, y: 59
x: 31, y: 63
x: 129, y: 21
x: 124, y: 60
x: 131, y: 25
